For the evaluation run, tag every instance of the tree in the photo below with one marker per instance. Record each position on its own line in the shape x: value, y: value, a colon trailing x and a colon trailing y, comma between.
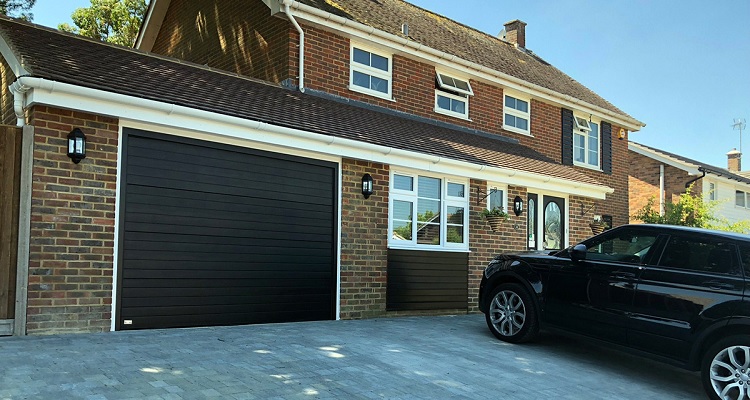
x: 112, y: 21
x: 690, y: 210
x: 11, y: 7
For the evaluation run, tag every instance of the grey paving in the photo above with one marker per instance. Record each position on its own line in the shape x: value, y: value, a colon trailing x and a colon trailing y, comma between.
x: 392, y: 358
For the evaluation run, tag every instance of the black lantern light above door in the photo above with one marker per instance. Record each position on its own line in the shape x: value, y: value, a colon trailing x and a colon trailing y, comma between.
x: 76, y: 145
x: 366, y: 185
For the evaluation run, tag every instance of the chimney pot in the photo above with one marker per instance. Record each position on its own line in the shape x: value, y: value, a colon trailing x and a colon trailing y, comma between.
x: 515, y: 32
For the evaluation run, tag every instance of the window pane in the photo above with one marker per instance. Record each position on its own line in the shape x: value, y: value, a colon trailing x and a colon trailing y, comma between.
x: 699, y: 255
x: 579, y: 150
x: 361, y: 56
x: 553, y: 237
x: 593, y: 158
x: 379, y: 62
x: 401, y: 230
x: 428, y: 234
x: 360, y: 79
x: 455, y: 215
x: 378, y: 84
x: 455, y: 234
x: 462, y: 85
x: 510, y: 102
x: 522, y: 106
x: 496, y: 200
x: 429, y: 187
x: 630, y: 247
x: 458, y: 106
x: 522, y: 123
x: 455, y: 189
x: 428, y: 210
x: 510, y: 120
x: 402, y: 210
x: 443, y: 102
x: 402, y: 182
x: 740, y: 198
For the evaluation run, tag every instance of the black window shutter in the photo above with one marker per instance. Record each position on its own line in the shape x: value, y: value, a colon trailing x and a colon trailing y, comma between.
x: 567, y: 136
x: 607, y: 148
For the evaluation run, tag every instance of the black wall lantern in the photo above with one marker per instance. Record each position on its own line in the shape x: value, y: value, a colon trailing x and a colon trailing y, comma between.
x: 76, y: 145
x: 366, y: 185
x: 517, y: 205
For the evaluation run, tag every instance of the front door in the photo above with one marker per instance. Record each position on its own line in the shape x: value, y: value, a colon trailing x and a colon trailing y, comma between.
x: 553, y: 235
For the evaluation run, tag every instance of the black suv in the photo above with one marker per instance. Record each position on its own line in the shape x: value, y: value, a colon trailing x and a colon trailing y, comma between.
x: 677, y: 294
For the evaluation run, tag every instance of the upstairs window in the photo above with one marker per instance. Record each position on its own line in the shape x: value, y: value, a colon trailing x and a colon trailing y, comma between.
x: 428, y: 212
x: 586, y: 143
x: 740, y: 198
x: 370, y: 73
x: 516, y: 115
x: 452, y: 96
x: 712, y: 191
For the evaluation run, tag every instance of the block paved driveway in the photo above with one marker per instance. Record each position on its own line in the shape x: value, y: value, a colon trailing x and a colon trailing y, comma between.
x: 393, y: 358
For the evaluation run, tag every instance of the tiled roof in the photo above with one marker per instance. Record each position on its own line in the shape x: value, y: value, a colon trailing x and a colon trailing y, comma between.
x: 56, y: 56
x: 446, y: 35
x: 710, y: 169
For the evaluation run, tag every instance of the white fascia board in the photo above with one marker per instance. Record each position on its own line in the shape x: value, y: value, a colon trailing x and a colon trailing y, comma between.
x: 399, y: 44
x: 691, y: 169
x: 169, y: 115
x: 152, y: 23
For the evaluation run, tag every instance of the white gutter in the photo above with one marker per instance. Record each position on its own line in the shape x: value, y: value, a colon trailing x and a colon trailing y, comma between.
x: 301, y: 80
x: 357, y: 29
x: 158, y: 113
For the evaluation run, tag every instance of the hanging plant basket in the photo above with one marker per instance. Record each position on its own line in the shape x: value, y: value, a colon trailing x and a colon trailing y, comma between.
x: 496, y: 222
x: 598, y: 227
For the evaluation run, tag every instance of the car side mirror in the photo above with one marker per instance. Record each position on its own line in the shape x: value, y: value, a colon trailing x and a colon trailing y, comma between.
x: 578, y: 252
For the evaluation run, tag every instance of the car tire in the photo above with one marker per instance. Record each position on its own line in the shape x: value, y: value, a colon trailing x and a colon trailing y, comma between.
x: 725, y: 369
x: 512, y: 314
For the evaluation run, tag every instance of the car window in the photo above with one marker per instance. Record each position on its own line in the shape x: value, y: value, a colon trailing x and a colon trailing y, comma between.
x: 700, y: 254
x: 622, y: 246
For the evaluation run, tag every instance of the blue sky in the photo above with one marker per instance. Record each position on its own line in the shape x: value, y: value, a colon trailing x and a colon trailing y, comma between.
x: 682, y: 67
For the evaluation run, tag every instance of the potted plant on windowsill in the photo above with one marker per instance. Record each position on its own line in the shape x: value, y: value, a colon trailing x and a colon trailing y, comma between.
x: 495, y: 217
x: 597, y: 225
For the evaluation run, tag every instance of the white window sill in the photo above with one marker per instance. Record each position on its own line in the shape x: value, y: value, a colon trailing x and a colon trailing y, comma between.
x: 516, y: 130
x: 373, y: 93
x: 392, y: 246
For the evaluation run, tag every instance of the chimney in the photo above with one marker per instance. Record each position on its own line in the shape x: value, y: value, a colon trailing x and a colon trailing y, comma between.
x: 734, y: 161
x: 515, y: 32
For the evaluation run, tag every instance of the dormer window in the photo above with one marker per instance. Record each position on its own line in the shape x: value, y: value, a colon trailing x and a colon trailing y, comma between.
x: 452, y: 96
x: 370, y: 73
x: 582, y: 124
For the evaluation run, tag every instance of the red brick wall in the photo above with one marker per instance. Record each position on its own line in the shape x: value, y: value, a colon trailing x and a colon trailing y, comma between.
x: 364, y: 240
x: 72, y: 224
x: 644, y: 182
x: 484, y: 243
x: 233, y: 35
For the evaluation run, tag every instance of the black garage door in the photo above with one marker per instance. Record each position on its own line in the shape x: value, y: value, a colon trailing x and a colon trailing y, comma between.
x: 220, y: 235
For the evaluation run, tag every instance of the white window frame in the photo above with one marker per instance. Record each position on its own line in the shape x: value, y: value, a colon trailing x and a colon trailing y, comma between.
x: 585, y: 133
x: 445, y: 202
x: 498, y: 186
x: 516, y: 113
x: 713, y: 194
x: 448, y: 85
x: 368, y: 70
x: 746, y: 199
x: 464, y: 99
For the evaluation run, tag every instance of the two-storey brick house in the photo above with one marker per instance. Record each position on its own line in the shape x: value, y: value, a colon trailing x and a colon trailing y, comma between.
x: 262, y: 161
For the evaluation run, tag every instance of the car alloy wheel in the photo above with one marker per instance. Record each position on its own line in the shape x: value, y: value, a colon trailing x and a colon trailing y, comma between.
x: 508, y: 313
x: 730, y: 373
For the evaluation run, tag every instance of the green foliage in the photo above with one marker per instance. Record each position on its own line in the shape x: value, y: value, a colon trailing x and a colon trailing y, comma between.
x: 495, y: 212
x: 112, y: 21
x: 689, y: 210
x: 17, y: 8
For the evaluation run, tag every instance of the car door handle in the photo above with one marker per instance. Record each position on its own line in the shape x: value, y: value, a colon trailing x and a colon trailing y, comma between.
x: 623, y: 275
x: 717, y: 285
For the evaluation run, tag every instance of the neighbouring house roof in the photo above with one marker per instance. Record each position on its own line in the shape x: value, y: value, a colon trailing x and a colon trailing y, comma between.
x: 687, y: 164
x: 443, y: 34
x: 48, y: 54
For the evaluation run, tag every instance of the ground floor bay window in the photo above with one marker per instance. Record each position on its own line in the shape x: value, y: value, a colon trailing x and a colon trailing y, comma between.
x: 428, y: 212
